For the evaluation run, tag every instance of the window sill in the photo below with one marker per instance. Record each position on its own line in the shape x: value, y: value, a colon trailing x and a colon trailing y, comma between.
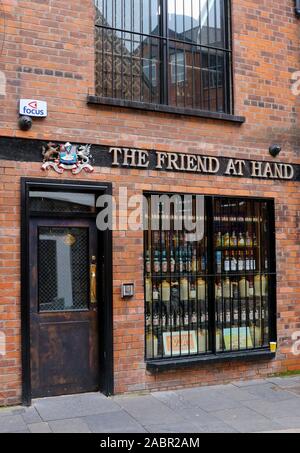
x: 165, y: 109
x: 156, y: 366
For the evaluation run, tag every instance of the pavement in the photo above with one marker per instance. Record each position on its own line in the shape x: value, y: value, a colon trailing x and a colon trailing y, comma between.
x: 271, y: 405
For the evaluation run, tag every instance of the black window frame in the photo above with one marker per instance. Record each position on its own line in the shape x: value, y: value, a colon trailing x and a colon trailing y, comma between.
x: 160, y: 364
x: 164, y: 104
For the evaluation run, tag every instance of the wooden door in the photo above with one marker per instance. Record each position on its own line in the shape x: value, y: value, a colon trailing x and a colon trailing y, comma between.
x: 63, y: 307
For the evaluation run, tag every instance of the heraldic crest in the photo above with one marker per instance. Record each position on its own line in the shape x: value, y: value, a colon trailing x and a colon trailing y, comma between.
x: 74, y: 158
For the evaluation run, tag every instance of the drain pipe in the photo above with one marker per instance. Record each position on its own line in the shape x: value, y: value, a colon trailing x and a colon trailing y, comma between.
x: 297, y: 8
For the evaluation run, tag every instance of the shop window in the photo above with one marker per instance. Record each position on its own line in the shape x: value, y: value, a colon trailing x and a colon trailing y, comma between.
x: 157, y: 52
x: 209, y: 276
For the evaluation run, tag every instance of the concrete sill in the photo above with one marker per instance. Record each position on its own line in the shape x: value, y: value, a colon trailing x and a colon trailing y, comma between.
x: 165, y: 109
x: 156, y: 366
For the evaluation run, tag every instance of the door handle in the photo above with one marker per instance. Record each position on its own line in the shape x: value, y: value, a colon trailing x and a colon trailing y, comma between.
x: 93, y: 281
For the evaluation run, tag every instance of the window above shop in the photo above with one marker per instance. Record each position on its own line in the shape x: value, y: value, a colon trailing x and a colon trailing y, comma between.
x: 168, y: 56
x: 210, y: 278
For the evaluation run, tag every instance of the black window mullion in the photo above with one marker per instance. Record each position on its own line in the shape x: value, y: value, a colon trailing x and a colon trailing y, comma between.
x: 164, y: 52
x: 209, y: 209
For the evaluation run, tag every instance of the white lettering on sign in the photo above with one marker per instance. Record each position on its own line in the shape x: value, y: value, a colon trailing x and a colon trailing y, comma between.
x: 33, y: 107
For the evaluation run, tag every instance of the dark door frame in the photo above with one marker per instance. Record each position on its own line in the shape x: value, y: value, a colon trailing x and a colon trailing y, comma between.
x: 105, y: 311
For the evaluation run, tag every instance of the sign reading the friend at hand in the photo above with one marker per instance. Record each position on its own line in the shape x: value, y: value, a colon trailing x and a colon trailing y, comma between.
x: 194, y: 163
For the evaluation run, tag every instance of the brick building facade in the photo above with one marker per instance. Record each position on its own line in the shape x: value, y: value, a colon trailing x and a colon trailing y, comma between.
x: 48, y: 53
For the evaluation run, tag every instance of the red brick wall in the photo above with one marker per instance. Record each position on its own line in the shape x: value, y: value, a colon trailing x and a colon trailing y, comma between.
x: 48, y: 54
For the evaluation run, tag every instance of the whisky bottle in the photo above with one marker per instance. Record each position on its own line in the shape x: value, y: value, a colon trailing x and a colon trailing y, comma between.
x: 249, y: 241
x: 219, y: 240
x: 227, y: 262
x: 226, y: 240
x: 241, y: 242
x: 233, y: 262
x: 241, y: 264
x: 233, y: 240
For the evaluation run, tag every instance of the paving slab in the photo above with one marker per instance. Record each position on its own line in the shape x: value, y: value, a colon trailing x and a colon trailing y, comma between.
x: 285, y: 382
x: 112, y: 422
x: 173, y: 400
x: 39, y: 428
x: 66, y: 407
x: 146, y: 410
x: 270, y: 392
x: 30, y: 416
x: 275, y: 410
x: 12, y: 423
x: 246, y: 420
x: 69, y: 426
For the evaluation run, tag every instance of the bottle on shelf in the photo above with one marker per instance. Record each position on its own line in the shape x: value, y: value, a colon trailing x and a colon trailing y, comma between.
x: 156, y: 315
x: 194, y: 261
x: 226, y: 240
x: 254, y: 240
x: 241, y: 241
x: 241, y: 263
x: 164, y: 317
x: 148, y: 262
x: 186, y: 316
x: 226, y: 261
x: 155, y: 293
x: 249, y: 241
x: 156, y: 262
x: 148, y: 290
x: 219, y: 240
x: 219, y: 261
x: 180, y: 261
x: 233, y: 240
x: 201, y: 290
x: 244, y: 288
x: 164, y: 262
x: 227, y: 289
x: 172, y: 262
x: 184, y: 289
x: 248, y: 262
x: 233, y: 262
x: 194, y: 317
x: 165, y: 291
x: 192, y: 291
